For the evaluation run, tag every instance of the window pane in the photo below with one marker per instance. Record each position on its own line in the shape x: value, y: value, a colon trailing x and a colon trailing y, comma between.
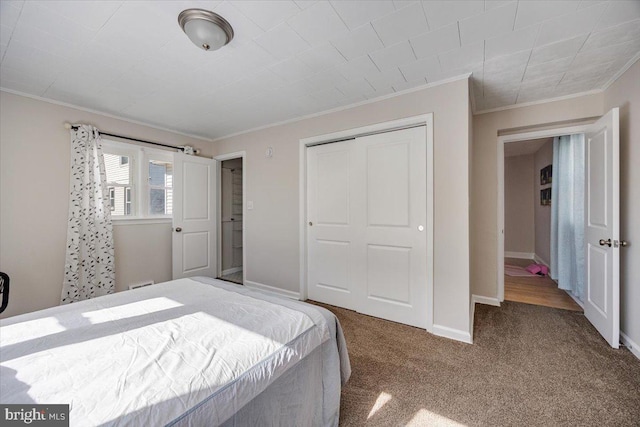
x: 117, y: 172
x: 160, y: 173
x: 120, y: 200
x: 127, y: 201
x: 112, y: 198
x: 157, y: 201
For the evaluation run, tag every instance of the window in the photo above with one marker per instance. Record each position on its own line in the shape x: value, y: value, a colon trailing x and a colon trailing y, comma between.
x: 119, y: 178
x: 160, y: 187
x: 140, y: 181
x: 112, y: 198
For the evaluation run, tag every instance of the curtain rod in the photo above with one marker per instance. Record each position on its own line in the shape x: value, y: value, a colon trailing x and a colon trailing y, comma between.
x: 74, y: 127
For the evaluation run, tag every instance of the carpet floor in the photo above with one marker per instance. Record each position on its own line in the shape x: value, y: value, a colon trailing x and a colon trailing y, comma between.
x: 529, y: 365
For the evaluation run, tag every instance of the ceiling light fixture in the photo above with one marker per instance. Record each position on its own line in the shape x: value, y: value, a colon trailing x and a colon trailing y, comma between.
x: 207, y: 30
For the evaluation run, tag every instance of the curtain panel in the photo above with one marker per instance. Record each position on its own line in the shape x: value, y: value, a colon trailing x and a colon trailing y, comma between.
x: 567, y: 213
x: 89, y: 262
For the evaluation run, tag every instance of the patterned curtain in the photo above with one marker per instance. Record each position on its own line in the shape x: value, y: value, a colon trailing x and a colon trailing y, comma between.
x: 89, y: 263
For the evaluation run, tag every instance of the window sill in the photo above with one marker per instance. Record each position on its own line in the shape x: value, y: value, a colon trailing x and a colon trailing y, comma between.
x: 141, y: 221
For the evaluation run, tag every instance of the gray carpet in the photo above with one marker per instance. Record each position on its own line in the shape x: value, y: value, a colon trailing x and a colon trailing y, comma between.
x: 529, y: 365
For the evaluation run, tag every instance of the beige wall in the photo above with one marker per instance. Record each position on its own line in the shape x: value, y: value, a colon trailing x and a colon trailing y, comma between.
x: 272, y: 234
x: 34, y: 197
x: 484, y: 228
x: 519, y: 233
x: 625, y: 93
x: 542, y: 214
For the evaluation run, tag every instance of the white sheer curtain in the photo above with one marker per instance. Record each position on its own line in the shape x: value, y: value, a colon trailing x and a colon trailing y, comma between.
x: 567, y: 213
x: 89, y: 263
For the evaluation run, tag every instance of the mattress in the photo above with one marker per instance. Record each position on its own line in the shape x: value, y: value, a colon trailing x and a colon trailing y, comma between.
x: 186, y: 352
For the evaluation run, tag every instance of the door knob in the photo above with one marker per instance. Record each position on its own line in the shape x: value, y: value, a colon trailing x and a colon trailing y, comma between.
x: 605, y: 242
x: 621, y: 243
x: 178, y: 229
x: 310, y: 223
x: 420, y: 228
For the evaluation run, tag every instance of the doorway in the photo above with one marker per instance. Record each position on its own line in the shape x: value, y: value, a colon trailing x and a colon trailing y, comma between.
x: 231, y: 218
x: 601, y: 209
x: 529, y: 169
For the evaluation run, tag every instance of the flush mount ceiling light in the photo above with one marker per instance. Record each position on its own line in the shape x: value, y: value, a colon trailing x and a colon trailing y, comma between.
x: 207, y: 30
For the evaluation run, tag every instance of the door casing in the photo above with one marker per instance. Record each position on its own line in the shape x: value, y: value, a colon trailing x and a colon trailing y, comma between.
x: 219, y: 159
x: 546, y: 133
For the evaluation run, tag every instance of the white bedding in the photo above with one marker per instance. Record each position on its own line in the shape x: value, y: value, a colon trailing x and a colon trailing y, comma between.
x: 181, y: 352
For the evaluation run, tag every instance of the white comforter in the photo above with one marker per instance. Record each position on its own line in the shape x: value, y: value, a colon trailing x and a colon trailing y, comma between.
x: 156, y: 355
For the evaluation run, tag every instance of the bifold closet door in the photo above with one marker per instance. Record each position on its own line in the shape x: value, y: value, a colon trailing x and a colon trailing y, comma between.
x: 367, y: 214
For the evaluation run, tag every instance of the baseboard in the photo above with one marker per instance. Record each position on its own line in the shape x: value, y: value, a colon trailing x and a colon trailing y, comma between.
x: 575, y: 298
x: 263, y: 287
x: 479, y: 299
x: 454, y: 334
x: 539, y: 260
x: 521, y: 255
x: 231, y: 270
x: 472, y: 316
x: 632, y: 346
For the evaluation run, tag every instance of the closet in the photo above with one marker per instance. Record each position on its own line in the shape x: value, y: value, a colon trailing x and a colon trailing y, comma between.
x: 367, y: 225
x: 231, y: 220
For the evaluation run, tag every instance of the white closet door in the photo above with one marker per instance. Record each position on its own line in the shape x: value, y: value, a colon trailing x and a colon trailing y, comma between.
x: 330, y: 231
x: 393, y: 221
x: 367, y: 214
x: 194, y: 226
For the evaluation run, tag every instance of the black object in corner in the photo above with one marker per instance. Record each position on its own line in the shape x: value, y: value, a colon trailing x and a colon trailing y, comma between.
x: 4, y: 290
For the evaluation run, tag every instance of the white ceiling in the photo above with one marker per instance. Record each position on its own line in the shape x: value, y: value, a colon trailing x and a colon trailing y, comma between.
x: 522, y: 148
x: 294, y: 58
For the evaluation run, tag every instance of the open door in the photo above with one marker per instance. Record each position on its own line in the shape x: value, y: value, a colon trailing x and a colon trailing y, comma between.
x: 602, y: 222
x: 194, y: 217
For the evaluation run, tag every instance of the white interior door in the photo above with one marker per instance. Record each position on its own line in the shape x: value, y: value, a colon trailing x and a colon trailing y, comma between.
x: 331, y: 232
x: 602, y: 235
x: 194, y: 225
x: 367, y: 225
x: 393, y: 224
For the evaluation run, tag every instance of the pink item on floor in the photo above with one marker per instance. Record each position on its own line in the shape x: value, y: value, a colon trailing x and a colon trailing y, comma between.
x: 533, y: 269
x: 544, y: 270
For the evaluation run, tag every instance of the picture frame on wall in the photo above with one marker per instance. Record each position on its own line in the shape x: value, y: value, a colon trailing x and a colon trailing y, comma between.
x: 545, y: 196
x: 546, y: 175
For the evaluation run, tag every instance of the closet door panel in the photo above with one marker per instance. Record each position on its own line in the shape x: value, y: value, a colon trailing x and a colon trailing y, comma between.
x: 330, y: 230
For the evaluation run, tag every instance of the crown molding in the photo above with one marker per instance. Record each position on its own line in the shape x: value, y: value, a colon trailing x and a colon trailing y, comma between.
x: 346, y: 107
x: 622, y: 70
x: 101, y: 113
x: 541, y: 101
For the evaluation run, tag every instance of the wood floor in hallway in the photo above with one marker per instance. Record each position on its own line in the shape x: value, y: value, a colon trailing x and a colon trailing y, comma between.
x: 536, y: 290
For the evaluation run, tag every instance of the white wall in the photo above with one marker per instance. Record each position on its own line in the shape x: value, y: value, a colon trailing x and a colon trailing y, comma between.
x: 625, y: 93
x: 519, y: 229
x: 542, y: 214
x: 272, y: 235
x: 34, y: 198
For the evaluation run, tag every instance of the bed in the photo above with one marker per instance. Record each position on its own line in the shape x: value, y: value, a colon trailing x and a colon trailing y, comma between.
x: 189, y: 352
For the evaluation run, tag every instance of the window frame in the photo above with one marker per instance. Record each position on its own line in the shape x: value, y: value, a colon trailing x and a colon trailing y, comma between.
x: 139, y: 158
